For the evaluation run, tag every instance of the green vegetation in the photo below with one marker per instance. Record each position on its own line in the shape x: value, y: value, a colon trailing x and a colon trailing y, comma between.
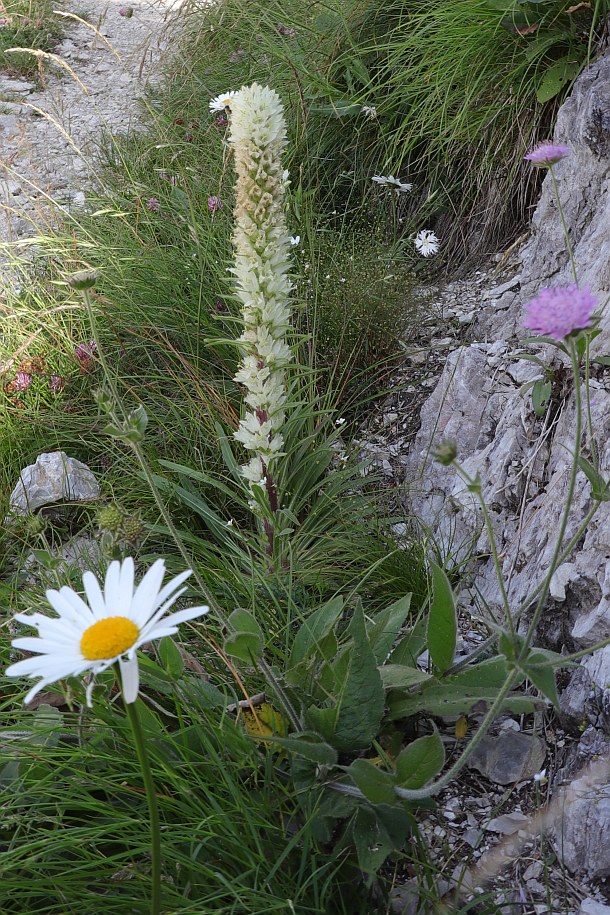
x: 310, y: 801
x: 27, y: 24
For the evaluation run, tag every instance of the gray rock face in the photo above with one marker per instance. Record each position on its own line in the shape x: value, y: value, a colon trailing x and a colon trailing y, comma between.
x: 581, y: 833
x: 583, y: 123
x: 54, y: 477
x: 523, y: 461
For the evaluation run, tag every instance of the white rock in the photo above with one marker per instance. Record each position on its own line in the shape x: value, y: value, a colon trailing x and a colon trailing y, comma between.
x: 54, y: 477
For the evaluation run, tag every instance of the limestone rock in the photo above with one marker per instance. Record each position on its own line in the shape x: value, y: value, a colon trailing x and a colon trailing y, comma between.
x: 54, y: 477
x: 592, y: 907
x: 581, y: 833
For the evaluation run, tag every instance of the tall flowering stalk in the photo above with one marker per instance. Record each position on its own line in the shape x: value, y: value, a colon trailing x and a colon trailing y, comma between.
x: 262, y: 261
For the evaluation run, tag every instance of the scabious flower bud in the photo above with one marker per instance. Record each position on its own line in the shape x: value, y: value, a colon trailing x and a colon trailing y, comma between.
x: 110, y: 518
x: 445, y: 453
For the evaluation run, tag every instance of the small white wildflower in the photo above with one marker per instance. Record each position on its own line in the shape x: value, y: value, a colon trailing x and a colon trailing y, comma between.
x: 295, y: 240
x: 426, y: 242
x: 230, y: 522
x: 370, y: 111
x: 540, y: 777
x: 340, y: 422
x: 222, y: 101
x: 395, y: 184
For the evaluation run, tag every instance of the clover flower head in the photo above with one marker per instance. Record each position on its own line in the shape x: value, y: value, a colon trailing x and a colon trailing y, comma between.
x: 559, y: 312
x: 426, y: 243
x: 547, y: 153
x: 214, y: 204
x: 108, y: 629
x: 223, y: 101
x: 153, y: 205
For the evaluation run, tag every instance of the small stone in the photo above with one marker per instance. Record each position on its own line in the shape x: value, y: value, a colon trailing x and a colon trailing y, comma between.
x: 508, y: 823
x: 509, y: 757
x: 533, y: 871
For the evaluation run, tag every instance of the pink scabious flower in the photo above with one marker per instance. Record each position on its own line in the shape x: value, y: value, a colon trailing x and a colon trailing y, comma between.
x: 214, y: 204
x: 559, y: 312
x: 547, y: 153
x: 153, y: 205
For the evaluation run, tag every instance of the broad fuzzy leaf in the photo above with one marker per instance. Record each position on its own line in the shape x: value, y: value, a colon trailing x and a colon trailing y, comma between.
x: 442, y: 621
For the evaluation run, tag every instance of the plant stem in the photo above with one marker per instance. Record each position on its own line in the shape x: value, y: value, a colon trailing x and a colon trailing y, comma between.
x: 564, y: 224
x: 153, y: 810
x: 564, y: 521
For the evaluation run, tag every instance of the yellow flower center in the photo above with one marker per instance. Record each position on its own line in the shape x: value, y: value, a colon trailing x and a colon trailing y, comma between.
x: 108, y: 638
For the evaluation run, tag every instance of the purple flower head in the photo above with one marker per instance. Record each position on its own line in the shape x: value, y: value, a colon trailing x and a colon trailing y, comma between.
x: 236, y: 55
x: 56, y: 384
x: 126, y: 12
x: 214, y: 204
x: 284, y: 30
x: 84, y: 354
x: 219, y: 306
x: 22, y: 381
x: 559, y: 312
x: 153, y: 205
x: 546, y: 154
x: 221, y: 120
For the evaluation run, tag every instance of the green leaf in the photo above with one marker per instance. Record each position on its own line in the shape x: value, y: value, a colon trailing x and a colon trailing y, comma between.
x: 171, y: 659
x: 411, y: 645
x: 600, y: 489
x: 398, y: 676
x: 376, y: 785
x: 556, y: 77
x: 442, y: 621
x: 244, y: 645
x: 537, y: 668
x: 314, y: 628
x: 245, y: 641
x: 386, y: 628
x: 421, y: 761
x: 354, y: 720
x: 309, y: 745
x: 541, y: 394
x: 444, y: 700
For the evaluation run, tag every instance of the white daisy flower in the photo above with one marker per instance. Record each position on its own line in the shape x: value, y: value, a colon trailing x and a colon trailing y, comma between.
x: 222, y: 101
x: 109, y: 628
x: 426, y: 242
x: 295, y: 240
x: 395, y: 184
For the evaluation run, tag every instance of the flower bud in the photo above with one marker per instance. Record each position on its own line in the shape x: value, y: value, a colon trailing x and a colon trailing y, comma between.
x: 84, y: 279
x: 445, y: 453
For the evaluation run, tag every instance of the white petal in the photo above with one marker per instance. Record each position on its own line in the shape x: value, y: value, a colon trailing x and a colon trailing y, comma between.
x: 126, y: 586
x: 94, y: 596
x: 66, y: 610
x: 112, y: 590
x: 36, y: 689
x: 144, y: 600
x: 172, y: 585
x: 42, y: 646
x: 130, y: 678
x: 154, y: 619
x: 89, y: 693
x: 174, y: 619
x: 83, y: 614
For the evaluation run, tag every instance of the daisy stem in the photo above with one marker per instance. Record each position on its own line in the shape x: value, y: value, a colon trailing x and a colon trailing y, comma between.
x: 153, y: 810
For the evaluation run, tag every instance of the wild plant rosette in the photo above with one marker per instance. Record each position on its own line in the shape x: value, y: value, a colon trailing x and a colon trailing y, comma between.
x: 262, y: 263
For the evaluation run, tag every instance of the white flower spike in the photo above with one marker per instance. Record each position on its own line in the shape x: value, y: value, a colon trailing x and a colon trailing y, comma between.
x: 222, y: 101
x: 426, y: 243
x: 109, y: 628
